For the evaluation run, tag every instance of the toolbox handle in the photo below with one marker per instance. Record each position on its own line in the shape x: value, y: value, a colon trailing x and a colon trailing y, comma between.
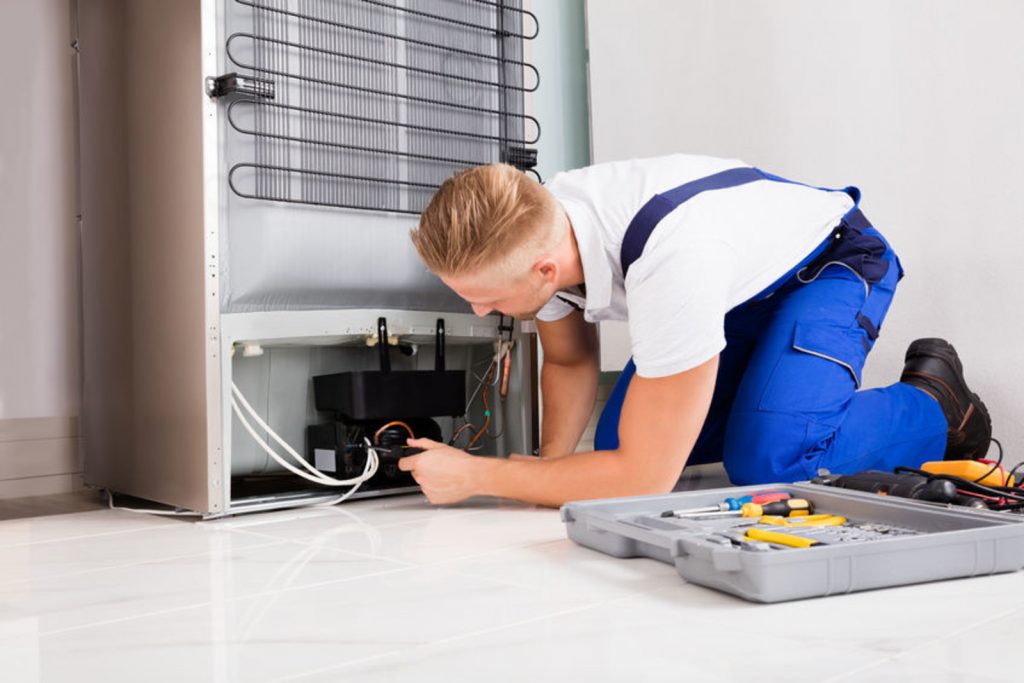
x: 637, y: 532
x: 722, y: 558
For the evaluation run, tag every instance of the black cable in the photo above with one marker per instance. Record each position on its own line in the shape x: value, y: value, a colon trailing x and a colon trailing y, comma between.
x: 1005, y: 490
x: 999, y: 462
x: 1013, y: 473
x: 964, y: 483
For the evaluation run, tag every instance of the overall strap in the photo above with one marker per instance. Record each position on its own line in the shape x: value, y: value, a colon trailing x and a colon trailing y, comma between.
x: 662, y: 204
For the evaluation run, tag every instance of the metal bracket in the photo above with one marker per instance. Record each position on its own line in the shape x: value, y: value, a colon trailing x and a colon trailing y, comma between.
x: 439, y: 351
x: 237, y: 84
x: 523, y: 158
x: 382, y: 344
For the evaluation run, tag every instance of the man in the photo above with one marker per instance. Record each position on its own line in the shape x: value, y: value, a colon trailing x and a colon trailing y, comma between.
x: 752, y: 303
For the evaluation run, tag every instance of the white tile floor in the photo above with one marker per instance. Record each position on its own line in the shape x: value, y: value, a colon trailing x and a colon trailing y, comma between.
x: 395, y: 590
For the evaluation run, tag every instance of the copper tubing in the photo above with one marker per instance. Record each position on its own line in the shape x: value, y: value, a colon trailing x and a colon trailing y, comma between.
x: 506, y: 371
x: 376, y: 435
x: 487, y: 406
x: 458, y: 432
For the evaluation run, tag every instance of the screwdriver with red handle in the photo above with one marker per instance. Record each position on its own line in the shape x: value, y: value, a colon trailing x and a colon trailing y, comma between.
x: 729, y: 504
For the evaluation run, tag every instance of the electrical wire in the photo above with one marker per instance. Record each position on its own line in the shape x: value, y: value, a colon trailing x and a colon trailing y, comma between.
x: 1012, y: 474
x: 339, y: 499
x: 459, y: 431
x: 965, y: 483
x: 965, y: 492
x: 330, y: 481
x: 177, y: 512
x: 487, y: 408
x: 238, y: 398
x: 1002, y: 497
x: 180, y: 512
x: 998, y: 464
x: 368, y: 471
x: 481, y: 363
x: 502, y: 382
x: 490, y: 378
x: 240, y: 406
x: 482, y: 381
x: 238, y: 402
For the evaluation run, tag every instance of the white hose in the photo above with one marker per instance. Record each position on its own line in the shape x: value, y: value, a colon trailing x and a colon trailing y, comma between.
x: 238, y: 402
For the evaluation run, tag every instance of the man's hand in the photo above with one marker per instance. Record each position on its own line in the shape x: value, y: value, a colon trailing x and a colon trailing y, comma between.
x: 661, y: 418
x: 446, y: 474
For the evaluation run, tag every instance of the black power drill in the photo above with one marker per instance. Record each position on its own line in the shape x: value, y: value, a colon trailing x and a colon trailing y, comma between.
x: 889, y: 484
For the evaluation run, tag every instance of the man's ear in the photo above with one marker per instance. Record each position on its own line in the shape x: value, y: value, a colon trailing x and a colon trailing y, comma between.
x: 547, y: 268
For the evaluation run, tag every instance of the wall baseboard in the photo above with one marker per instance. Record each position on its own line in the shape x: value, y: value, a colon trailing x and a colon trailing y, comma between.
x: 39, y: 456
x: 40, y: 486
x: 34, y: 428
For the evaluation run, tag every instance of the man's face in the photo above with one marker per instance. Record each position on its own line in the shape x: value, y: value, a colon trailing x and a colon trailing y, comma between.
x: 520, y: 298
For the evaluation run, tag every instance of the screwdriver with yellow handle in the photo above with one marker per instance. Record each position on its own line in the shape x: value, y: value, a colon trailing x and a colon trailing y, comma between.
x: 806, y: 521
x: 780, y: 538
x: 794, y: 507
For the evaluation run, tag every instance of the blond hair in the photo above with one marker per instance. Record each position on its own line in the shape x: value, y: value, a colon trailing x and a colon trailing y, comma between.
x: 484, y: 217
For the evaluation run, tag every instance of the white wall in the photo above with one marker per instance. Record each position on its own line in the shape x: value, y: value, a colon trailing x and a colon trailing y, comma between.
x: 39, y: 321
x: 562, y: 104
x: 561, y: 101
x: 38, y: 261
x: 918, y: 102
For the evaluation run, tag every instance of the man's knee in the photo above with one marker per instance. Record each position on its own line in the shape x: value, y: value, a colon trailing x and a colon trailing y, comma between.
x: 765, y: 447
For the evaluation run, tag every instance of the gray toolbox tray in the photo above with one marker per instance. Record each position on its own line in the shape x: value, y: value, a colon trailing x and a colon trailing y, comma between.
x: 950, y: 542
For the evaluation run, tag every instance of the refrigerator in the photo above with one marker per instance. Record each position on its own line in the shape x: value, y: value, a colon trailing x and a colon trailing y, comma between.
x: 249, y: 174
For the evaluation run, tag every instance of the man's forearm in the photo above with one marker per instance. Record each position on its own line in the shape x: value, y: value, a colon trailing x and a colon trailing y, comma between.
x: 577, y: 476
x: 569, y: 392
x: 661, y: 418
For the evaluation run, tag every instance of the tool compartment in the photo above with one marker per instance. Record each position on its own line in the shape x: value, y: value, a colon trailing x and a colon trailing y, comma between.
x: 887, y: 541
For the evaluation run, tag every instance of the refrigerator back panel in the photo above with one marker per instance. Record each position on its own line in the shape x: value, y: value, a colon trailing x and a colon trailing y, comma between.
x: 360, y: 110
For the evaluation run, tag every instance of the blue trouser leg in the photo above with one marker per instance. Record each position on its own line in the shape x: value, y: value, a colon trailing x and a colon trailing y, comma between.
x: 798, y: 409
x: 787, y: 403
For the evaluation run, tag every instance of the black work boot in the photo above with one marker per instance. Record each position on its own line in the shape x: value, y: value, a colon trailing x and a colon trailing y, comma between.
x: 933, y: 366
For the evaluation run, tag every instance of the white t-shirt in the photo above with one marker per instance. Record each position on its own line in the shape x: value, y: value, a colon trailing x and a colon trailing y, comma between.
x: 709, y: 255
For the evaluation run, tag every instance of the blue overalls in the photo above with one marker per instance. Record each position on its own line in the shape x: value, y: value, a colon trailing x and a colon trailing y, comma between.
x: 786, y: 400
